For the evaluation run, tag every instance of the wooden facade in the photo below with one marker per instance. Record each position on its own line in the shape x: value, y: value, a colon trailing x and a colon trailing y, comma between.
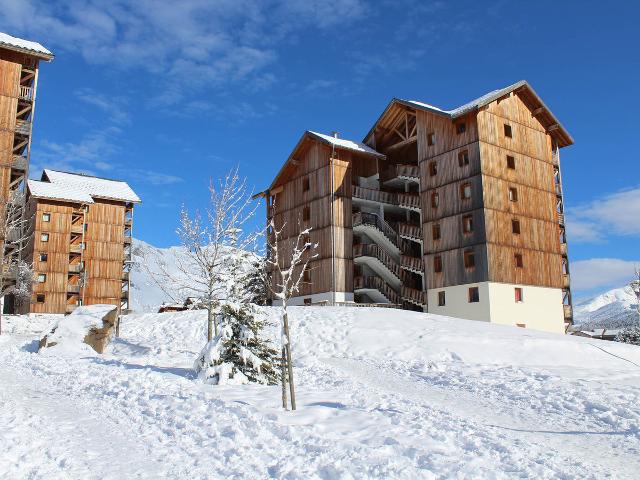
x: 455, y: 197
x: 18, y: 85
x: 80, y: 250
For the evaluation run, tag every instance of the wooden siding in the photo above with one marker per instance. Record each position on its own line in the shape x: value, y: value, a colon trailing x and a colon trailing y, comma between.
x: 104, y: 255
x: 450, y: 201
x: 539, y: 268
x: 451, y: 234
x: 453, y: 269
x: 534, y: 234
x: 330, y: 215
x: 446, y: 138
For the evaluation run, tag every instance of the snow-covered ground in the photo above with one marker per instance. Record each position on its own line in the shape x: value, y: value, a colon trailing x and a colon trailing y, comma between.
x: 381, y: 393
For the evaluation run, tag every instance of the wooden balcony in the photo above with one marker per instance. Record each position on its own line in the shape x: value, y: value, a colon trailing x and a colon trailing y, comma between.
x: 127, y: 240
x: 563, y: 249
x: 561, y: 218
x: 76, y: 267
x: 413, y: 264
x: 77, y: 228
x: 128, y: 222
x: 20, y: 163
x: 400, y: 172
x: 75, y: 248
x: 568, y: 312
x: 566, y: 281
x: 410, y: 232
x: 410, y: 201
x: 26, y: 93
x: 412, y: 295
x: 71, y: 288
x: 126, y: 276
x: 23, y: 127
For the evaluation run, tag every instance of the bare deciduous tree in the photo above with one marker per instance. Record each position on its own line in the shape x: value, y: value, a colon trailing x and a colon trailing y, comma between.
x: 284, y: 277
x: 211, y: 243
x: 16, y: 275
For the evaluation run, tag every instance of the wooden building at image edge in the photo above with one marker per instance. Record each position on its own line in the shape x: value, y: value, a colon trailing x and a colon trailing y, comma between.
x: 80, y: 241
x: 456, y: 212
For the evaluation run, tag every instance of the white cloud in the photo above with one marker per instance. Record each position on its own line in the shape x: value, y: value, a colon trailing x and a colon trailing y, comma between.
x: 113, y: 106
x: 156, y: 178
x: 189, y: 46
x: 614, y: 214
x: 601, y: 273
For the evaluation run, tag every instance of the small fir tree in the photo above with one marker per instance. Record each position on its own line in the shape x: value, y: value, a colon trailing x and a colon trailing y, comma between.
x: 238, y: 354
x: 630, y: 334
x: 254, y: 282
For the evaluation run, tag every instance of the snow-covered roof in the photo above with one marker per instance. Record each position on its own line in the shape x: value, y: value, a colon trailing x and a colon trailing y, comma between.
x: 26, y: 46
x: 95, y: 186
x: 82, y: 188
x: 346, y: 144
x: 53, y: 191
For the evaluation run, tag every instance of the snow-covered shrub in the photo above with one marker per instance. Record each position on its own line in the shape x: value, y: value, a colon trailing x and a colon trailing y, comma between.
x: 238, y: 354
x: 630, y: 334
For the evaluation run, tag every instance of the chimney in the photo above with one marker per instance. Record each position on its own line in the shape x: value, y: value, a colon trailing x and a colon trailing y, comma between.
x: 334, y: 134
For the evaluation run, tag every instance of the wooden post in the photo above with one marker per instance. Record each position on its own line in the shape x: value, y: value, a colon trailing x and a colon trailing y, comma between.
x: 289, y: 363
x: 283, y: 375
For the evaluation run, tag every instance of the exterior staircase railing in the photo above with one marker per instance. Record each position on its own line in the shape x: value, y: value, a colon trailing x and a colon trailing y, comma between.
x: 373, y: 220
x: 375, y: 251
x: 412, y: 295
x: 377, y: 283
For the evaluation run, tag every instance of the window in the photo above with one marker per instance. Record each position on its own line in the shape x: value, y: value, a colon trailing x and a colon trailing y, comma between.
x: 513, y: 194
x: 518, y: 259
x: 463, y: 158
x: 307, y: 301
x: 435, y: 230
x: 46, y: 217
x: 306, y: 275
x: 465, y: 191
x: 433, y: 169
x: 515, y: 226
x: 474, y: 295
x: 40, y: 298
x: 305, y: 184
x: 435, y: 200
x: 507, y: 131
x: 461, y: 128
x: 431, y: 139
x: 442, y: 299
x: 518, y: 293
x: 511, y: 162
x: 437, y: 264
x: 42, y: 277
x: 467, y: 224
x: 469, y: 259
x: 306, y: 213
x: 43, y: 257
x: 44, y: 237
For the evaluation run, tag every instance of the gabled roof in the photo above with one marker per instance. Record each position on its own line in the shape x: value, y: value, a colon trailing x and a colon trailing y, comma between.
x: 522, y: 88
x: 24, y: 46
x: 336, y: 142
x: 53, y: 191
x: 77, y: 187
x: 95, y: 186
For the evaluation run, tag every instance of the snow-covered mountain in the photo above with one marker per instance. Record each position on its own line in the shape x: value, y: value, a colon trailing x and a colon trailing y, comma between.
x: 146, y: 293
x: 613, y: 309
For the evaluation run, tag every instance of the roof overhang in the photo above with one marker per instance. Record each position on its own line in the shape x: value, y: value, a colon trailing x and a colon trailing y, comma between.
x: 522, y: 88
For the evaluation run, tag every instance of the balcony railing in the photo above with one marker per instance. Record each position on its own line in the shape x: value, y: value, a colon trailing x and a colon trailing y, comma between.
x: 563, y: 248
x: 375, y: 251
x: 77, y: 228
x: 404, y: 172
x: 409, y: 200
x: 566, y: 280
x: 76, y: 267
x: 128, y: 222
x: 412, y: 232
x: 127, y: 240
x: 413, y: 264
x: 23, y: 127
x: 75, y: 248
x: 555, y: 157
x: 26, y: 93
x: 568, y: 311
x: 406, y: 200
x: 373, y: 220
x: 376, y: 283
x: 73, y: 288
x: 561, y: 218
x: 415, y: 296
x: 19, y: 162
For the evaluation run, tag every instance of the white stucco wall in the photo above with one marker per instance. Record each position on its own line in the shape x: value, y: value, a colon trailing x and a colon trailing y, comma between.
x: 541, y: 308
x: 317, y: 298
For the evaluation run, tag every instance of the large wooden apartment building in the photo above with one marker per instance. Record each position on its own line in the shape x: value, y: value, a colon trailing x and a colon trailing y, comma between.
x: 80, y: 241
x: 19, y: 66
x: 456, y: 212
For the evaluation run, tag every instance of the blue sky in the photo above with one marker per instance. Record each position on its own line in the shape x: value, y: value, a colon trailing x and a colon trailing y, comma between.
x: 167, y: 95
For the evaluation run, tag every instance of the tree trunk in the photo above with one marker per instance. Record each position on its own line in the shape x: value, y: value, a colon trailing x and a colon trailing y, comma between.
x: 289, y: 363
x: 283, y: 375
x: 210, y: 323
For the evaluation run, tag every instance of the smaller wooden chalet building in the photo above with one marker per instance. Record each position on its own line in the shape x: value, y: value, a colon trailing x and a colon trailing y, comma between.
x: 80, y: 241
